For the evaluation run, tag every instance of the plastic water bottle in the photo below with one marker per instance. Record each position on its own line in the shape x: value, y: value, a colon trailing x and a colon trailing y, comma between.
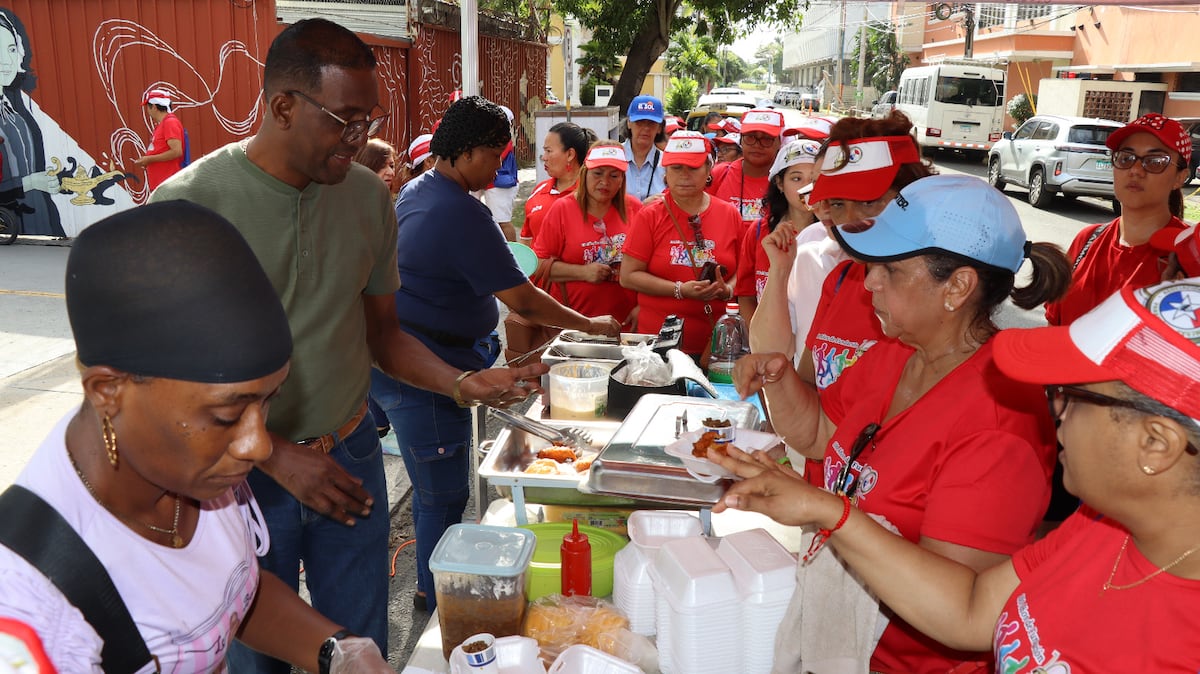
x: 730, y: 341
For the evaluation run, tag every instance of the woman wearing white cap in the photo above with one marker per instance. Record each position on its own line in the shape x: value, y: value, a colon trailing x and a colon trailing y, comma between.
x: 682, y: 252
x: 924, y: 432
x: 785, y: 211
x: 581, y: 238
x: 420, y: 160
x: 1115, y: 588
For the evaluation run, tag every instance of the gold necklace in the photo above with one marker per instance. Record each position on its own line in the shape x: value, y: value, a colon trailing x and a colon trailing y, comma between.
x: 173, y: 532
x: 1108, y: 584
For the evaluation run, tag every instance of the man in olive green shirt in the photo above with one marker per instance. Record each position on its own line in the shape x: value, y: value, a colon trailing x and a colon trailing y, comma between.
x: 323, y: 229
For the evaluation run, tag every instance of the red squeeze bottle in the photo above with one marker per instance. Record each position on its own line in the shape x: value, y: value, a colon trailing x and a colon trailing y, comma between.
x: 576, y: 554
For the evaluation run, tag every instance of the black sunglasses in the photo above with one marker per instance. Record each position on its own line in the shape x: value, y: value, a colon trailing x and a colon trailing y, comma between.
x: 1059, y: 396
x: 846, y: 483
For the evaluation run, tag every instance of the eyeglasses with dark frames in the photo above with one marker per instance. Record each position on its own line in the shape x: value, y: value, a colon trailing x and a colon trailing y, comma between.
x: 846, y: 483
x: 755, y: 138
x: 351, y: 130
x: 1153, y: 163
x: 1059, y: 396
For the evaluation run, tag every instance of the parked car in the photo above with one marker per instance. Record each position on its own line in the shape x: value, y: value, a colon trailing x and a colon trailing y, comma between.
x: 726, y: 97
x: 884, y: 106
x: 1050, y: 154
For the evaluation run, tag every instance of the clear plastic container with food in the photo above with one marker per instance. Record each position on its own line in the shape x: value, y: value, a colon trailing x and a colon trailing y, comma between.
x: 479, y: 576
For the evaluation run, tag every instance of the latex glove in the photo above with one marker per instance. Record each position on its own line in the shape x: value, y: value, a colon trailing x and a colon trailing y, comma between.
x: 41, y: 182
x: 357, y: 655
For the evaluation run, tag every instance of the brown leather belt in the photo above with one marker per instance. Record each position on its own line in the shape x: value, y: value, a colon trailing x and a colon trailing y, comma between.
x: 327, y: 442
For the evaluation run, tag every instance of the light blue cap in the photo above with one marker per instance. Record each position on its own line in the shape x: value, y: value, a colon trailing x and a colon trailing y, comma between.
x: 645, y: 107
x: 957, y: 214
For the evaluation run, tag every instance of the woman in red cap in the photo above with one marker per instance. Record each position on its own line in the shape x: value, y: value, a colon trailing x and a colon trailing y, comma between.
x: 682, y: 252
x: 581, y: 238
x: 1115, y: 588
x: 1150, y: 158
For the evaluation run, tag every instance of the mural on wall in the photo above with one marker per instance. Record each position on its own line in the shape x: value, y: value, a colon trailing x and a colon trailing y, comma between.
x: 392, y: 73
x: 109, y: 45
x: 436, y: 82
x: 47, y: 178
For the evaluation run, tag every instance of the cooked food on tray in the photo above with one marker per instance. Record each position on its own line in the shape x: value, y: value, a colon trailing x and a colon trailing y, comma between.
x: 543, y: 467
x: 558, y: 453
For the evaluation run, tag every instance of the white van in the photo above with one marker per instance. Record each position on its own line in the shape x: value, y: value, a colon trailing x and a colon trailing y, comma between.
x: 954, y: 106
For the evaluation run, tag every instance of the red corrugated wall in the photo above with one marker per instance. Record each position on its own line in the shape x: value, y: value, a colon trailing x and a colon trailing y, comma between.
x: 94, y: 59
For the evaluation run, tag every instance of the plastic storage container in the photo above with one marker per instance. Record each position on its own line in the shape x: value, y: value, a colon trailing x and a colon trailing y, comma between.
x: 479, y: 575
x: 730, y: 341
x: 545, y: 568
x: 579, y: 390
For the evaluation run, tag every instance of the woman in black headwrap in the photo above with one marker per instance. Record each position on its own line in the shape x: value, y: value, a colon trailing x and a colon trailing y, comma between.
x: 182, y: 343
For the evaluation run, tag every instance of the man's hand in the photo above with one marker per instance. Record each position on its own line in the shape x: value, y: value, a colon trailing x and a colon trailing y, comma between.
x: 604, y: 325
x: 317, y: 481
x: 502, y: 386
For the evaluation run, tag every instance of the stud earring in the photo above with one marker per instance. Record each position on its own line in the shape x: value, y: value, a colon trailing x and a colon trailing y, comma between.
x: 1148, y: 470
x: 110, y: 440
x: 949, y: 307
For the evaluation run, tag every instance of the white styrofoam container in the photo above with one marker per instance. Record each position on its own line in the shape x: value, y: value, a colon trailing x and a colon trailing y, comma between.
x: 762, y: 568
x: 649, y: 529
x: 581, y: 659
x: 633, y: 590
x: 692, y: 575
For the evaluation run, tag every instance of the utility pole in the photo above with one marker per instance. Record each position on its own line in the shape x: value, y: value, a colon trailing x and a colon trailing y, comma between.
x: 841, y: 55
x: 859, y: 96
x: 969, y: 36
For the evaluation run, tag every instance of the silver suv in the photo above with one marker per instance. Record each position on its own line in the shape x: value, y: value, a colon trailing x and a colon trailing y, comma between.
x: 1050, y: 154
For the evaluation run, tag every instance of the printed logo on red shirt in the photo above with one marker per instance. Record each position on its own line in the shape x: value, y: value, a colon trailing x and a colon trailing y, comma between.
x: 1007, y: 642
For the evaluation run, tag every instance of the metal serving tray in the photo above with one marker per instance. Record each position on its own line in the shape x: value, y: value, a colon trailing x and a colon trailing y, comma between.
x: 567, y: 346
x: 634, y: 464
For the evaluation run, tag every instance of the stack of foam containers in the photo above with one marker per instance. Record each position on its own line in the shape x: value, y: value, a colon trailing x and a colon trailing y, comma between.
x: 765, y: 575
x: 697, y: 609
x: 633, y: 590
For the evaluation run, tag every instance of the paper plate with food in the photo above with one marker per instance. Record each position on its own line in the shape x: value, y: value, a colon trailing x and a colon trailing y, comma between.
x: 692, y: 448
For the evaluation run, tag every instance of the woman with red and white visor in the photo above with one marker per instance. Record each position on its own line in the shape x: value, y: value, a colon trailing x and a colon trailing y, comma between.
x: 581, y: 238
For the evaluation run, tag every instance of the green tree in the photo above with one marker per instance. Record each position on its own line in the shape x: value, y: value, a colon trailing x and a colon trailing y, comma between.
x: 599, y: 62
x: 682, y: 95
x: 770, y: 57
x: 642, y: 29
x: 733, y: 67
x: 1021, y: 107
x: 693, y: 57
x: 885, y: 60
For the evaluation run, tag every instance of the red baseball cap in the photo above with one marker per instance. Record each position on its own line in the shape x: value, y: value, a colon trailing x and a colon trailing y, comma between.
x: 418, y: 150
x: 763, y: 120
x: 729, y: 139
x: 728, y: 125
x: 686, y: 148
x: 815, y: 128
x: 1147, y: 338
x: 864, y: 169
x: 672, y: 124
x: 607, y: 155
x: 1171, y: 133
x: 157, y: 97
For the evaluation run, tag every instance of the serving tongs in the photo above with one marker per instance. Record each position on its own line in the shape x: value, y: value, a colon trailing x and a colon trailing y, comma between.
x: 571, y: 437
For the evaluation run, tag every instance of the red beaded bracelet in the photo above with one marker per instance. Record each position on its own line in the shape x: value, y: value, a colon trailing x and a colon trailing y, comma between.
x: 823, y: 535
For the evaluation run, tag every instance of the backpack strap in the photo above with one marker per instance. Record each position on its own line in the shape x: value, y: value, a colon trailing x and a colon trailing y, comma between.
x: 36, y: 531
x: 1088, y: 244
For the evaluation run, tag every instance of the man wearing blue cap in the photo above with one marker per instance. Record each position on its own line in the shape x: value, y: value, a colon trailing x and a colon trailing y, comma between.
x: 645, y: 127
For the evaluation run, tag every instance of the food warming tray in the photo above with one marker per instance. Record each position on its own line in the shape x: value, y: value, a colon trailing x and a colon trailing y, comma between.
x: 634, y: 465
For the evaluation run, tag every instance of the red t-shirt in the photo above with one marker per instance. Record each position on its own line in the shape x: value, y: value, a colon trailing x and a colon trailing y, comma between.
x: 568, y: 234
x: 745, y: 193
x: 968, y: 463
x: 844, y: 326
x: 1108, y: 266
x: 157, y: 172
x: 538, y: 205
x: 752, y: 274
x: 1059, y: 619
x: 653, y: 239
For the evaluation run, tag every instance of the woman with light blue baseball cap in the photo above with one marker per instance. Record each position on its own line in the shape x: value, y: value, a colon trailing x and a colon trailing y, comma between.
x: 645, y: 123
x: 924, y: 432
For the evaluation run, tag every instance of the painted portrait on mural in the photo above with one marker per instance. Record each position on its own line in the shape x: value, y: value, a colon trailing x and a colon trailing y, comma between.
x: 54, y: 185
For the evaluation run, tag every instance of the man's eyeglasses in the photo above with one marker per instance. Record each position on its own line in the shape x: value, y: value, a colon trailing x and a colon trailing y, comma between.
x: 351, y: 131
x: 1153, y: 163
x: 760, y: 139
x: 846, y: 483
x: 1059, y: 396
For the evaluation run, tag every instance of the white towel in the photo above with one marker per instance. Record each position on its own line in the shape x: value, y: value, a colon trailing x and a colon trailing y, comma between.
x: 832, y: 623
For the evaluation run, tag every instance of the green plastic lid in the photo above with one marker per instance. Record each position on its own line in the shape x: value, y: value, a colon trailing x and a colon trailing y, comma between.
x: 483, y: 550
x: 605, y: 544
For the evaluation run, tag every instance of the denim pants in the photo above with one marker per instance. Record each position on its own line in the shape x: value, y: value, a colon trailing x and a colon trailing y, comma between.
x: 434, y: 436
x: 346, y: 568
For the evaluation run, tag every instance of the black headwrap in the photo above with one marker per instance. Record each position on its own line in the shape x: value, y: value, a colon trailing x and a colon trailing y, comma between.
x: 173, y: 290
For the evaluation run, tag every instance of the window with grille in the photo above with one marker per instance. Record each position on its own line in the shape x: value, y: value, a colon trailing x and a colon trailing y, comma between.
x: 1029, y: 12
x: 388, y: 18
x: 989, y: 14
x: 1114, y: 105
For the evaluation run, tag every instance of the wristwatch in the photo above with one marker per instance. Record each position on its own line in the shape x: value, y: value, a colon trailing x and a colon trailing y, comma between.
x: 325, y: 655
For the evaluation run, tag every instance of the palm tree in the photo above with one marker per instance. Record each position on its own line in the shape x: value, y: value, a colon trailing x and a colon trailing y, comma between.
x: 693, y: 57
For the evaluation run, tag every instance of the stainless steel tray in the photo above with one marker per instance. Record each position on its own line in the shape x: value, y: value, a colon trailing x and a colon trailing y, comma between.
x: 568, y: 347
x: 634, y: 464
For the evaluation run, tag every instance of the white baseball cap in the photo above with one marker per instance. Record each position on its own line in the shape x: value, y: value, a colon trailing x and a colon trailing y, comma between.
x: 795, y: 153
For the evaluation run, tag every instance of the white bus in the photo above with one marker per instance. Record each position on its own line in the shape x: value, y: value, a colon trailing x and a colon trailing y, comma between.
x: 954, y: 106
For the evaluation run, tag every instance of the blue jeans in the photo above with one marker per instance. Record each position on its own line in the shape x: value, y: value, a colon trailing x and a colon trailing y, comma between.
x: 434, y: 436
x: 346, y: 568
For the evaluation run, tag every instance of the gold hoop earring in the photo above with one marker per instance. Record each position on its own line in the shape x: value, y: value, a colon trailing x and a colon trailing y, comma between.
x: 110, y: 440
